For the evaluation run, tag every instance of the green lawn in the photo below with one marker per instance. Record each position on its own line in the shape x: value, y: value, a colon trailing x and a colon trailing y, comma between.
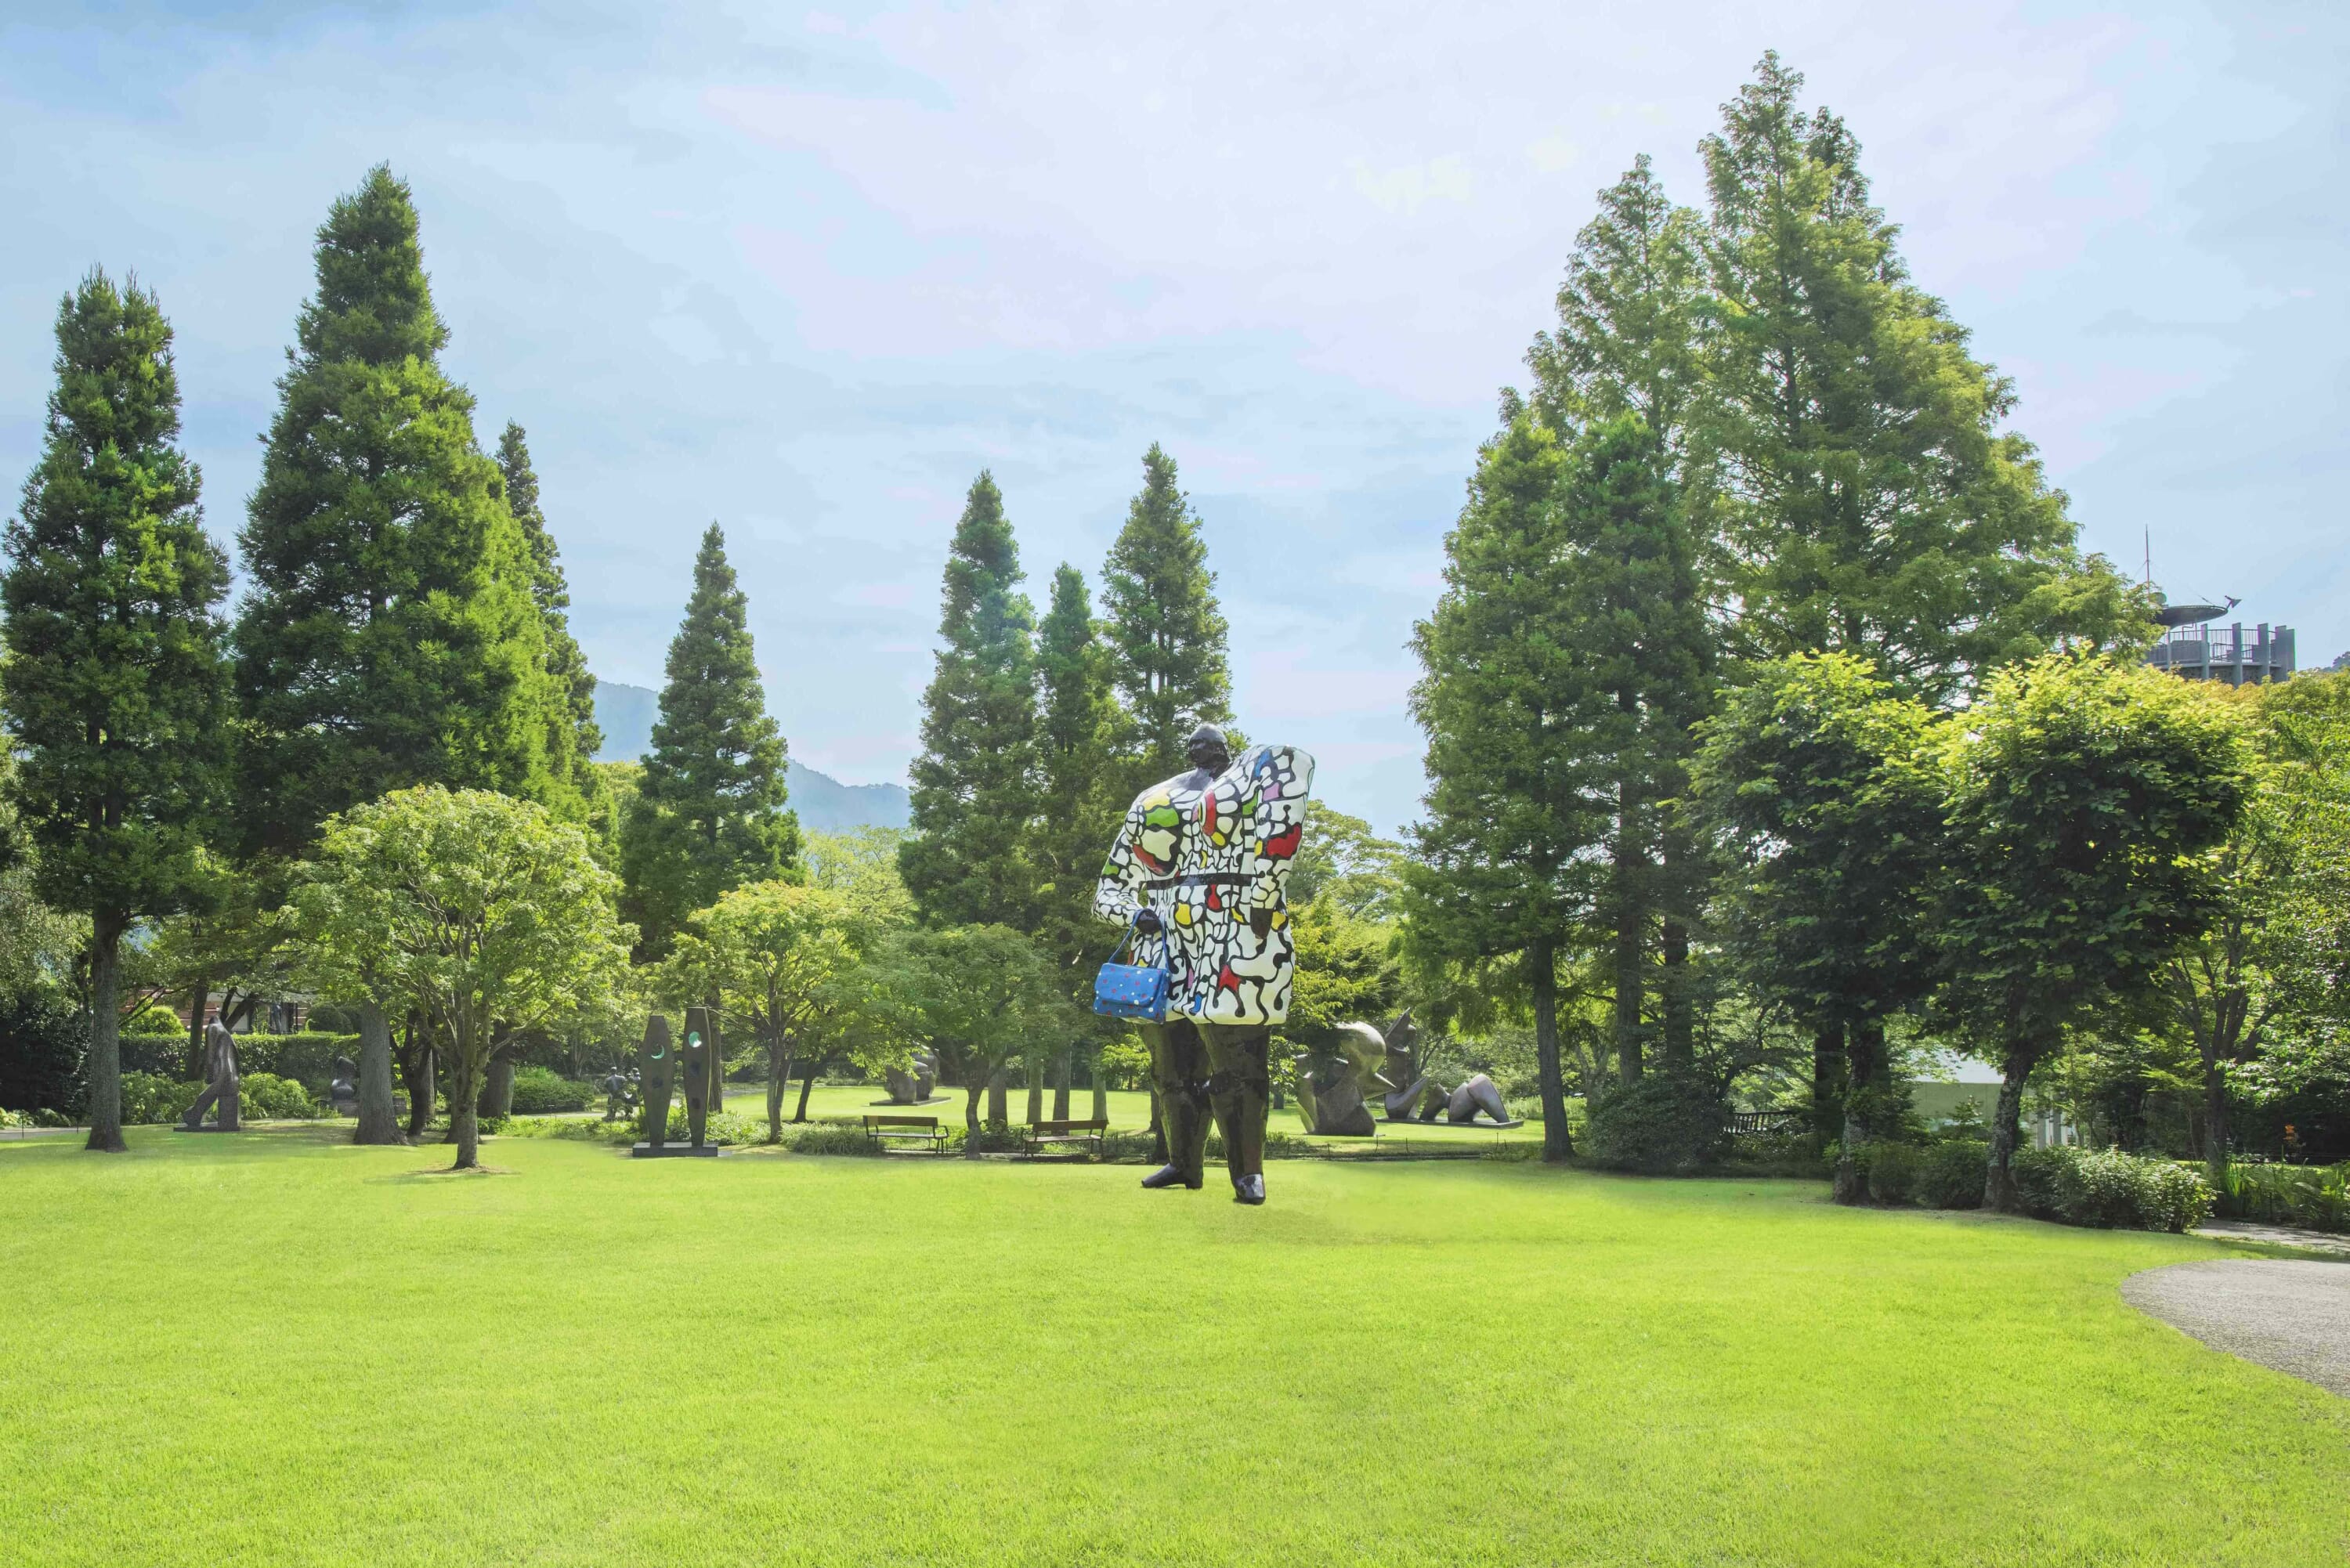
x: 1129, y: 1110
x: 279, y: 1349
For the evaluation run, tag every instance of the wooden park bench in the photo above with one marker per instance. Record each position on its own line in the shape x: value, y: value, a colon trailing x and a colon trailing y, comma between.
x: 923, y: 1132
x: 1088, y: 1133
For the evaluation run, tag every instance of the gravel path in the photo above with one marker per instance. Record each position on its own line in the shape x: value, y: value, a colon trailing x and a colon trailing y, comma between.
x: 2293, y: 1316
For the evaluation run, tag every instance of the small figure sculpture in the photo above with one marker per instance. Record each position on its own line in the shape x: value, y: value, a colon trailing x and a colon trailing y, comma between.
x: 620, y: 1097
x: 343, y: 1090
x: 220, y: 1084
x: 1199, y: 870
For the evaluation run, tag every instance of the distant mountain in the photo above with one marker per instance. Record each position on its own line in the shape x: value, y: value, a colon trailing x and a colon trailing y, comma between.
x: 626, y: 714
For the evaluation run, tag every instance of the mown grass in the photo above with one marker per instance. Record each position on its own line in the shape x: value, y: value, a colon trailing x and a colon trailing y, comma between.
x: 280, y: 1349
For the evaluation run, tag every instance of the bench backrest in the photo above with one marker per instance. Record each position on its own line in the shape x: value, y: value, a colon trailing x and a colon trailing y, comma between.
x: 1096, y: 1124
x: 902, y: 1121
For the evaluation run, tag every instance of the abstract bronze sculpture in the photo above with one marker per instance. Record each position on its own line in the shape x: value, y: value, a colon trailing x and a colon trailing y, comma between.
x: 1199, y: 870
x: 342, y: 1089
x: 1334, y: 1083
x: 662, y: 1068
x: 220, y: 1095
x: 915, y: 1082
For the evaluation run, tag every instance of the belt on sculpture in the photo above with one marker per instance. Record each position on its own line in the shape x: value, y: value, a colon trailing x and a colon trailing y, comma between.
x: 1203, y: 879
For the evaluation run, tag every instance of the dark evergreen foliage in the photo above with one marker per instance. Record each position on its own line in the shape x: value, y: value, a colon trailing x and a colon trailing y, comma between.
x: 709, y: 813
x: 1166, y: 632
x: 975, y: 783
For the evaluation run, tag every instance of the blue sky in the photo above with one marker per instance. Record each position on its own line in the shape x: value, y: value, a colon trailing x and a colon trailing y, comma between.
x: 806, y: 272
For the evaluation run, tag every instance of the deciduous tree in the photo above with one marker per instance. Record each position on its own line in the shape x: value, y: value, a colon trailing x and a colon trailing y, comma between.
x: 482, y: 912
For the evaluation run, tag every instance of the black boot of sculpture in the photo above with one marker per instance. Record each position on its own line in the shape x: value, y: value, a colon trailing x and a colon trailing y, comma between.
x: 1248, y: 1189
x: 1169, y: 1176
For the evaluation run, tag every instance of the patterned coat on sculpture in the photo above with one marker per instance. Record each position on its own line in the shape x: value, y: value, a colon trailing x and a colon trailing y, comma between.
x: 1206, y: 861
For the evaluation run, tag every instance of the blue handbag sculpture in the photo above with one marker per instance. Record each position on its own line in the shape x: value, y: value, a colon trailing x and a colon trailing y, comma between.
x: 1130, y: 990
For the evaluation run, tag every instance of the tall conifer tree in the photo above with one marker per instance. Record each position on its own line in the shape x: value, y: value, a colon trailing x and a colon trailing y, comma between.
x: 573, y: 735
x: 709, y: 813
x: 1504, y: 874
x: 116, y: 687
x: 1166, y: 631
x: 388, y: 637
x: 1077, y: 788
x: 1870, y: 501
x: 975, y: 783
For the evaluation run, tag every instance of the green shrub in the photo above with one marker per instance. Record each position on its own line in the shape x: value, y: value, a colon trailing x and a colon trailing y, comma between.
x: 2315, y: 1196
x: 267, y: 1097
x: 149, y: 1098
x: 42, y: 1037
x: 1892, y: 1171
x: 828, y: 1137
x: 1953, y: 1173
x: 2108, y: 1188
x: 542, y: 1091
x: 1659, y: 1124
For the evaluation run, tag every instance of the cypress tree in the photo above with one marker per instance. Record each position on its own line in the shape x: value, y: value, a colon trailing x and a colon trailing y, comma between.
x: 117, y: 686
x: 709, y: 813
x: 975, y: 783
x: 573, y: 735
x: 388, y: 637
x: 1166, y: 632
x: 1871, y: 502
x: 1077, y: 788
x: 1503, y: 874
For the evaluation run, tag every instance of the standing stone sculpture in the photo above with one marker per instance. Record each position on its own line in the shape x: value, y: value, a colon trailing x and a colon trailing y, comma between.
x: 220, y: 1095
x: 655, y: 1062
x: 1200, y: 869
x: 1331, y: 1083
x: 699, y: 1060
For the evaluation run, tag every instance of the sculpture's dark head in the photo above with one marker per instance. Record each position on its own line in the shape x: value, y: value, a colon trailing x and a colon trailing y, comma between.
x: 1207, y: 750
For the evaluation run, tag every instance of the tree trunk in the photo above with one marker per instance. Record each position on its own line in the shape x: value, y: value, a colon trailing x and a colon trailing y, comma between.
x: 1061, y: 1084
x: 418, y: 1067
x: 1827, y: 1081
x: 1673, y: 1000
x: 1542, y: 976
x: 199, y: 996
x: 807, y: 1086
x: 497, y: 1087
x: 1628, y: 999
x: 2215, y: 1121
x: 465, y: 1129
x: 1865, y: 1062
x: 1631, y: 917
x: 2006, y: 1132
x: 971, y: 1117
x: 779, y: 1075
x: 104, y: 1066
x: 378, y: 1122
x: 1101, y: 1090
x: 999, y: 1108
x: 1035, y: 1091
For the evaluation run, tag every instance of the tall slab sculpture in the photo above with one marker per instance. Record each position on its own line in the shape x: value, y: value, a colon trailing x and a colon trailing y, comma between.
x: 699, y: 1060
x: 656, y: 1060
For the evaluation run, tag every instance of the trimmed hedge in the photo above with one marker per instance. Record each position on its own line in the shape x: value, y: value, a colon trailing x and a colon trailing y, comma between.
x: 307, y: 1058
x: 544, y: 1092
x: 2110, y: 1189
x: 149, y: 1099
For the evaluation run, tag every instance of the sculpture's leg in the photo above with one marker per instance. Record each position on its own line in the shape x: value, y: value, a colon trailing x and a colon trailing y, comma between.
x: 224, y: 1119
x: 1240, y: 1087
x: 195, y: 1117
x: 1179, y: 1069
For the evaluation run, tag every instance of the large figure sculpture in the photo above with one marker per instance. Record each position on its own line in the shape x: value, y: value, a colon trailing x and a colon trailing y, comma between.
x: 220, y: 1084
x: 1198, y: 868
x: 1363, y: 1063
x: 912, y: 1084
